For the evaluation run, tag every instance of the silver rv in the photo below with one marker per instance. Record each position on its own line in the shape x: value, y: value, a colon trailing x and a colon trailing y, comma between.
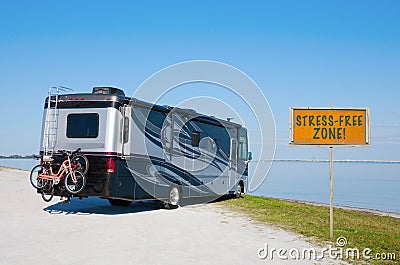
x: 138, y: 151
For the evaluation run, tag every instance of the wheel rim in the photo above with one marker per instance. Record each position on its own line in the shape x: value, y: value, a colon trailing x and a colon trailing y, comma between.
x: 238, y: 190
x: 82, y: 163
x: 75, y: 187
x: 37, y: 183
x: 174, y: 196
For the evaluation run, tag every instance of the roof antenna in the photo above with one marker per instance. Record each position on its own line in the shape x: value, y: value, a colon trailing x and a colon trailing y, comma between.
x: 229, y: 119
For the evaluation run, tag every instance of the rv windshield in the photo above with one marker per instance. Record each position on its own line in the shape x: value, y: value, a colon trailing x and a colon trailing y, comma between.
x: 83, y: 125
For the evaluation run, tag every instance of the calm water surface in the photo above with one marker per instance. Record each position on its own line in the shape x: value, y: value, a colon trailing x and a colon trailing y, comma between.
x: 364, y: 185
x: 26, y: 164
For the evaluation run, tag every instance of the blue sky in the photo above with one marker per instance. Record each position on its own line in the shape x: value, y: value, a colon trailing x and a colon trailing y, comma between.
x: 300, y: 53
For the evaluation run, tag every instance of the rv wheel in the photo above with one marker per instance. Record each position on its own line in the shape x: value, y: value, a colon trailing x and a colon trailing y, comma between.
x: 174, y: 198
x: 239, y: 189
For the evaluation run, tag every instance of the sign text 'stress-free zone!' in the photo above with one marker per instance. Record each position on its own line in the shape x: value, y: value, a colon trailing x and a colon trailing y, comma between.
x: 329, y: 126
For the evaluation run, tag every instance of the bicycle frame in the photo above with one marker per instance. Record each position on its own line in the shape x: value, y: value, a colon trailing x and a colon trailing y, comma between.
x: 49, y: 175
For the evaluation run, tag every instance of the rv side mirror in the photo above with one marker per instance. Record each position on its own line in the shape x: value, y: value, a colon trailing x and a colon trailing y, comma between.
x: 250, y: 156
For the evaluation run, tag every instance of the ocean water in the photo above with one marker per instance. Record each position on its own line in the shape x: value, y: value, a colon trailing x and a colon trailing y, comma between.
x: 26, y: 164
x: 364, y: 185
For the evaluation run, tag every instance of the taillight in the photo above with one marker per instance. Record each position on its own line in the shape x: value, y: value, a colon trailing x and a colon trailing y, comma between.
x: 110, y: 165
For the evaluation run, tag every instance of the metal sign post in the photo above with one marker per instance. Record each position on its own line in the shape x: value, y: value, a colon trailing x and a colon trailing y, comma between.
x: 331, y: 193
x: 330, y: 127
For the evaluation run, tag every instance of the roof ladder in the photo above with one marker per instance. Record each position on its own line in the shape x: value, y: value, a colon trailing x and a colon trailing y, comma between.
x: 51, y: 121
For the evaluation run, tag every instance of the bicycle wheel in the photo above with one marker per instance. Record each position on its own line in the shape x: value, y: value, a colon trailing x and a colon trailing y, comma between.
x: 36, y: 181
x: 81, y: 162
x: 48, y: 193
x: 76, y: 184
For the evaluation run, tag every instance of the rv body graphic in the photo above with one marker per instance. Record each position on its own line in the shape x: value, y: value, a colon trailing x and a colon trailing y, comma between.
x: 138, y: 151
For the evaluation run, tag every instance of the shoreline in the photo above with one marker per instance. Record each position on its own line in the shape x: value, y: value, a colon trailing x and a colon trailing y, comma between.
x: 345, y: 207
x: 352, y: 208
x: 14, y: 168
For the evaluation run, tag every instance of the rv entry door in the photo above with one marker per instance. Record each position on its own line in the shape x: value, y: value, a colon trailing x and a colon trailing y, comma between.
x: 125, y: 132
x: 233, y: 163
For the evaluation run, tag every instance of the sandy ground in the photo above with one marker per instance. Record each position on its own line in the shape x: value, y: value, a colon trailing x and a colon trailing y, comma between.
x: 92, y: 232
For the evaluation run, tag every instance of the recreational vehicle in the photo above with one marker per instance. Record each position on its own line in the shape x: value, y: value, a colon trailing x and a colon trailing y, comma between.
x: 138, y: 151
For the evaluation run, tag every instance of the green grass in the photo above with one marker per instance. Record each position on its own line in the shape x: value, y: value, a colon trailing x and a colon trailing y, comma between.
x: 361, y: 229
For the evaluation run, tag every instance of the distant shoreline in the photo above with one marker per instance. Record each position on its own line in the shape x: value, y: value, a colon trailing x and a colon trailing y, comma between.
x: 327, y: 161
x: 18, y: 157
x: 13, y: 168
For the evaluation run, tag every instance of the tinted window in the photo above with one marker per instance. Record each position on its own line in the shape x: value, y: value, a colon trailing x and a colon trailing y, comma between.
x: 83, y: 125
x: 195, y: 139
x: 126, y: 130
x: 243, y: 148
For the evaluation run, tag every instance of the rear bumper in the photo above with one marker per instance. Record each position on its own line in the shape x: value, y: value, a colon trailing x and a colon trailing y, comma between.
x: 95, y: 186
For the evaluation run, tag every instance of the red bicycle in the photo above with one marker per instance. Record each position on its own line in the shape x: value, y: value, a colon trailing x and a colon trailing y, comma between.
x: 70, y: 175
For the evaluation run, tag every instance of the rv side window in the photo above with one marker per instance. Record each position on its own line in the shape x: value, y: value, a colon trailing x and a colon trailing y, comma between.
x: 83, y: 125
x: 195, y: 139
x: 126, y: 130
x: 243, y: 148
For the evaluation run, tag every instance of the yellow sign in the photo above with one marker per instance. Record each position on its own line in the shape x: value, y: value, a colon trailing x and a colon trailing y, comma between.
x: 329, y: 126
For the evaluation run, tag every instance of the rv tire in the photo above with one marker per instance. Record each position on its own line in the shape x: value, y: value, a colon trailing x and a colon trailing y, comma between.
x: 174, y: 198
x: 239, y: 190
